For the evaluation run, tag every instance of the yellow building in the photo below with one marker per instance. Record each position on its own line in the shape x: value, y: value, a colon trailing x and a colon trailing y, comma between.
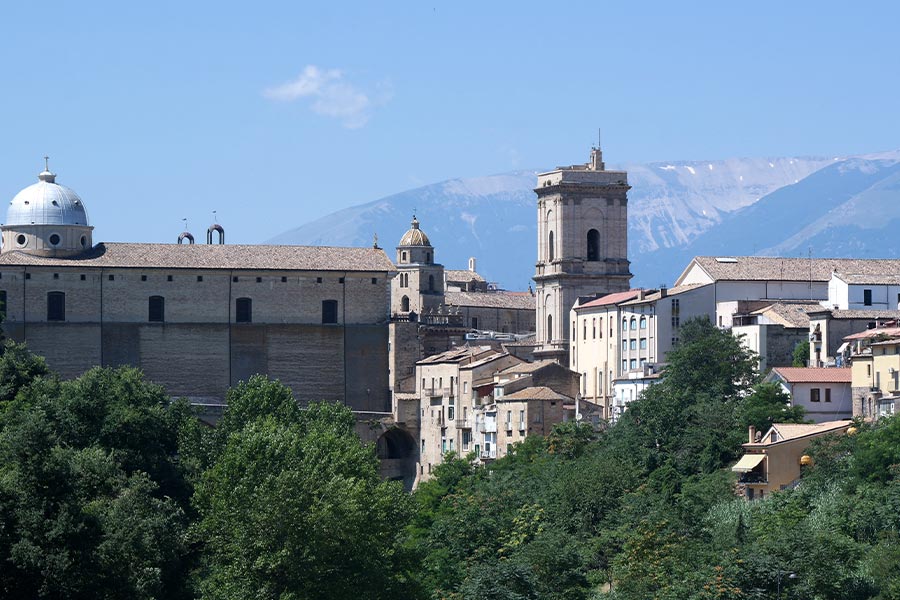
x: 875, y: 369
x: 772, y: 462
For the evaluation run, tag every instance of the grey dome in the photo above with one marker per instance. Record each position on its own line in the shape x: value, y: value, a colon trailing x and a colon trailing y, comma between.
x: 46, y: 203
x: 415, y: 236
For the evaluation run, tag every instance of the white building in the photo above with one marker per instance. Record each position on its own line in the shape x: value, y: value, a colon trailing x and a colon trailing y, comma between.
x: 823, y: 392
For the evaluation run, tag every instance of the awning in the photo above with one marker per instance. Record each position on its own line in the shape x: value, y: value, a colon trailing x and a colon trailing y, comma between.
x: 841, y: 348
x: 747, y: 463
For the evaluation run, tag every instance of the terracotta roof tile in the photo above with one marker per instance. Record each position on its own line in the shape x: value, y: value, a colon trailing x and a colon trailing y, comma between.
x: 813, y: 374
x: 516, y: 300
x: 462, y: 275
x: 751, y: 268
x: 214, y: 256
x: 534, y: 393
x: 611, y: 299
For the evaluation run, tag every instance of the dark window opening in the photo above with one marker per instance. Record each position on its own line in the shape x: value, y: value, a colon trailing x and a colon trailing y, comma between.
x: 156, y: 309
x: 54, y: 239
x: 549, y: 328
x: 143, y: 278
x: 318, y: 280
x: 867, y: 297
x: 431, y: 283
x: 284, y: 280
x: 474, y: 322
x: 27, y: 275
x: 56, y: 276
x: 243, y: 310
x: 2, y: 304
x: 593, y: 245
x: 374, y: 281
x: 234, y: 279
x: 551, y: 250
x: 112, y: 277
x: 329, y: 311
x: 259, y: 280
x: 199, y: 277
x: 84, y: 277
x: 168, y: 278
x: 56, y: 306
x: 814, y: 395
x: 404, y: 304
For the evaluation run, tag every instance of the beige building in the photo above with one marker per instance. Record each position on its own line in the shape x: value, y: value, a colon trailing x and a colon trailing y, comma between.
x: 448, y: 395
x: 772, y: 462
x: 196, y: 318
x: 773, y: 330
x: 625, y: 336
x: 582, y: 245
x: 824, y: 393
x: 875, y: 371
x: 529, y: 411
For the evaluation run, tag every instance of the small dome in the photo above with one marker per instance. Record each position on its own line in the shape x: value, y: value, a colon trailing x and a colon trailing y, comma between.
x: 415, y: 236
x: 46, y: 203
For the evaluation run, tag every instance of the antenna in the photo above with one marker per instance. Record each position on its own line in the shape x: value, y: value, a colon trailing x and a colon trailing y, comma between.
x: 47, y: 163
x: 184, y: 220
x: 599, y: 138
x: 215, y: 220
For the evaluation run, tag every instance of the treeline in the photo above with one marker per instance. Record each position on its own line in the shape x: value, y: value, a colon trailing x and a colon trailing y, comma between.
x: 109, y: 490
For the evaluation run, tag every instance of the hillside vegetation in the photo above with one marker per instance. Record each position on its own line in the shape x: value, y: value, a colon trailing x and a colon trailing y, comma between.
x: 110, y: 490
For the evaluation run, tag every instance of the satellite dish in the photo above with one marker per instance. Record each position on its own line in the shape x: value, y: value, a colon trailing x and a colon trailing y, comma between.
x: 579, y: 417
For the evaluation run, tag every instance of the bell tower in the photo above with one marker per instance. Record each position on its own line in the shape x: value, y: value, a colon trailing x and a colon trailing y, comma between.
x: 582, y: 245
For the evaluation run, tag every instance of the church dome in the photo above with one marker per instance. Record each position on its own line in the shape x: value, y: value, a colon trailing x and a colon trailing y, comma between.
x: 415, y: 236
x: 46, y: 203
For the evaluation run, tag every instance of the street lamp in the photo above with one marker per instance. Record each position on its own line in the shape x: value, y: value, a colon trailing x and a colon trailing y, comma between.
x: 778, y: 580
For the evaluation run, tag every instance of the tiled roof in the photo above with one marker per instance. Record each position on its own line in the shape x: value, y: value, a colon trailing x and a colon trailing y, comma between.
x: 517, y: 300
x: 462, y: 275
x: 789, y: 314
x: 791, y: 431
x: 530, y: 367
x: 873, y: 279
x: 890, y: 332
x: 813, y: 374
x: 653, y: 295
x: 757, y: 268
x: 214, y: 256
x: 534, y: 393
x: 456, y: 354
x: 858, y: 314
x: 611, y: 299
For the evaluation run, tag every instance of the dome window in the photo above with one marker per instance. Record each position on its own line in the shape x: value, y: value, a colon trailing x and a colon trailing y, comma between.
x: 55, y: 203
x: 55, y: 239
x: 21, y: 240
x: 83, y: 241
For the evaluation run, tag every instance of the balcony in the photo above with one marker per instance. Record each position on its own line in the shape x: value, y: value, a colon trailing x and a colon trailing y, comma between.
x: 463, y: 424
x: 753, y: 478
x: 522, y: 426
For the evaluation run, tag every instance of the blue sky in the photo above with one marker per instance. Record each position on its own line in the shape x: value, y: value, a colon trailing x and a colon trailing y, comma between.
x: 275, y: 113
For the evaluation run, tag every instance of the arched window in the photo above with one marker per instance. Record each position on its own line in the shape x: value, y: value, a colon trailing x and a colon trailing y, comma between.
x: 243, y: 310
x: 551, y: 252
x: 624, y: 324
x: 593, y: 245
x: 329, y: 311
x: 633, y: 323
x: 428, y: 258
x: 643, y: 322
x: 403, y: 256
x: 404, y: 304
x: 56, y: 306
x: 156, y: 309
x: 431, y: 283
x: 549, y: 328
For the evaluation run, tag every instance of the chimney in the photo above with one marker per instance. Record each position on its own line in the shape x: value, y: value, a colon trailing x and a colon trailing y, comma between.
x: 663, y: 291
x: 472, y: 264
x: 752, y: 434
x: 640, y: 295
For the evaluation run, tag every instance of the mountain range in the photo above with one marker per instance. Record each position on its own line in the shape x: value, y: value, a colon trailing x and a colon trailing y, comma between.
x: 836, y: 207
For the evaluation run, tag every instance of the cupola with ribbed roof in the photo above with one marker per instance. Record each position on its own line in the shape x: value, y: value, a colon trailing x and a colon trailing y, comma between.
x: 46, y: 219
x: 414, y: 246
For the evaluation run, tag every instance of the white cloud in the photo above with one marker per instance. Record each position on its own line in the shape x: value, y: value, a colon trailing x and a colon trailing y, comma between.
x: 331, y: 95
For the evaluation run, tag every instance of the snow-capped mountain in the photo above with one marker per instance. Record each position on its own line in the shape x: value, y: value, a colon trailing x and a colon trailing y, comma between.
x: 839, y: 206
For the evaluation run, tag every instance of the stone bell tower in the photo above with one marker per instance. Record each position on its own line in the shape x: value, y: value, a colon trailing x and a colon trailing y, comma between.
x: 582, y: 245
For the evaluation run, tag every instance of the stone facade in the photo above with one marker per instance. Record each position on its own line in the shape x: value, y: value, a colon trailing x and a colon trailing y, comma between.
x: 582, y: 245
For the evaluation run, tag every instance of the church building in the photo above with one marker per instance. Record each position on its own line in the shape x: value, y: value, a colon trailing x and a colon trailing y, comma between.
x: 196, y: 318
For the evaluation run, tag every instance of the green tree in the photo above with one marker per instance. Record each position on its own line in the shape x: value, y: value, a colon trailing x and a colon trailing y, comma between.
x: 91, y: 492
x: 768, y: 404
x: 18, y: 368
x: 801, y: 354
x: 293, y: 507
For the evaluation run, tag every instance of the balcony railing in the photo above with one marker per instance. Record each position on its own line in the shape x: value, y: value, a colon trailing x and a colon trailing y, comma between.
x: 753, y: 478
x: 463, y: 424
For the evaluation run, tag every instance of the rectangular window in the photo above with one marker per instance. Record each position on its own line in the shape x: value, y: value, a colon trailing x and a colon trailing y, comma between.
x: 827, y: 394
x: 340, y: 280
x: 624, y: 344
x: 156, y: 309
x: 112, y: 277
x: 643, y: 343
x: 474, y: 322
x: 814, y: 395
x: 374, y: 281
x: 633, y: 364
x: 466, y: 439
x: 2, y: 304
x: 168, y: 278
x: 329, y: 311
x: 867, y: 297
x: 83, y: 277
x: 259, y: 280
x: 676, y: 321
x: 56, y: 306
x: 584, y: 329
x: 235, y: 279
x: 243, y: 310
x: 601, y: 327
x: 284, y: 280
x: 318, y: 280
x: 594, y: 327
x: 633, y: 344
x: 199, y: 278
x: 56, y: 276
x: 624, y: 365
